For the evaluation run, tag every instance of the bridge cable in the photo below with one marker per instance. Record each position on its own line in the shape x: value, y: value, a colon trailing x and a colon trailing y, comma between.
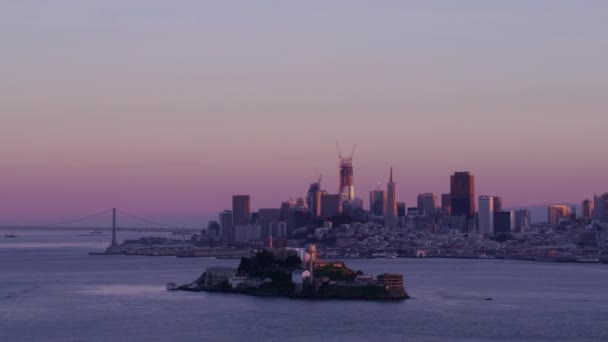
x: 146, y: 220
x: 78, y: 219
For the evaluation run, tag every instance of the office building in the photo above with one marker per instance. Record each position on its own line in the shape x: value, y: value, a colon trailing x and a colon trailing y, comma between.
x: 331, y: 205
x: 428, y: 204
x: 462, y: 191
x: 267, y: 216
x: 557, y: 213
x: 446, y: 204
x: 241, y: 210
x: 226, y: 226
x: 486, y: 215
x: 402, y: 209
x: 523, y: 220
x: 587, y: 207
x: 390, y: 215
x: 313, y: 199
x: 503, y: 222
x: 497, y: 203
x: 246, y: 233
x: 376, y: 202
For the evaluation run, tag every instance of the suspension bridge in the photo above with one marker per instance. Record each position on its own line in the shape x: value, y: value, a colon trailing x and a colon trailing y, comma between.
x: 145, y: 225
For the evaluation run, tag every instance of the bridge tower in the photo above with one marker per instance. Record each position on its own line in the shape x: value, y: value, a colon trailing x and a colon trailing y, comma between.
x: 114, y: 227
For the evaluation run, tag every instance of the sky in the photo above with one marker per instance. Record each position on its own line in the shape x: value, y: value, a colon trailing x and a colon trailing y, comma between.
x: 166, y: 109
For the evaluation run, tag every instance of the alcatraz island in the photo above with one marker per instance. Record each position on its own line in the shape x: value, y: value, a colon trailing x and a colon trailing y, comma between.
x: 296, y: 273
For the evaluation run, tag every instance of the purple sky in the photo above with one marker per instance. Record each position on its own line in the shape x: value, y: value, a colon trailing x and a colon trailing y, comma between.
x: 166, y: 110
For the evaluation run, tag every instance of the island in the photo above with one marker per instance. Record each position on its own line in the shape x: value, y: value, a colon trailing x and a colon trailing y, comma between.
x: 296, y: 273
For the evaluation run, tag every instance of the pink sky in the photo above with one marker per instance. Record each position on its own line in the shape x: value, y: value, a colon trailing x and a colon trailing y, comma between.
x: 167, y: 111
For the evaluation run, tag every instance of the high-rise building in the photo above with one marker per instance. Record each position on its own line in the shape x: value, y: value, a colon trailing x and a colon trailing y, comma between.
x: 241, y: 210
x: 497, y: 203
x: 313, y: 199
x: 226, y: 226
x: 402, y: 209
x: 428, y: 204
x: 347, y: 185
x: 523, y: 219
x: 376, y: 202
x: 486, y: 215
x: 331, y: 205
x: 390, y: 215
x: 557, y: 212
x: 462, y: 191
x: 214, y: 230
x: 600, y: 208
x: 587, y: 207
x: 267, y: 216
x: 503, y: 222
x: 446, y: 204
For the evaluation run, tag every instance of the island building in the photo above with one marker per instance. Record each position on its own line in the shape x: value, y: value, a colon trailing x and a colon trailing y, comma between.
x: 226, y: 226
x: 486, y: 215
x: 241, y: 209
x: 558, y: 212
x: 390, y: 280
x: 390, y: 215
x: 217, y: 275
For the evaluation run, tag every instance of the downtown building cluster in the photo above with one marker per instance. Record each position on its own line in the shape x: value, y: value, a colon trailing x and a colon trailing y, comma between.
x: 458, y: 211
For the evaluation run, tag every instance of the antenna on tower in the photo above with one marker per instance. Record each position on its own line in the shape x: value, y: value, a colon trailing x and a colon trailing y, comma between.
x: 338, y: 147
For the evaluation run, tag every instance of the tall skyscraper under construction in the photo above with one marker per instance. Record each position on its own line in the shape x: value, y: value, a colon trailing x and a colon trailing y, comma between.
x: 347, y: 185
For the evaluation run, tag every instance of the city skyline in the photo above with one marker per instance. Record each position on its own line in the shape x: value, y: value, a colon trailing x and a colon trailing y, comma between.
x: 100, y: 110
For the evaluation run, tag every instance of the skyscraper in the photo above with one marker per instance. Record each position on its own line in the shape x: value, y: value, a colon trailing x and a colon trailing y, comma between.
x: 331, y: 205
x: 462, y: 191
x: 313, y: 199
x: 497, y: 203
x: 427, y: 204
x: 557, y: 212
x: 486, y: 215
x: 347, y: 185
x: 446, y: 204
x: 376, y: 202
x: 523, y: 219
x: 390, y: 215
x: 241, y: 210
x: 587, y: 207
x: 503, y: 222
x: 600, y: 208
x: 226, y: 226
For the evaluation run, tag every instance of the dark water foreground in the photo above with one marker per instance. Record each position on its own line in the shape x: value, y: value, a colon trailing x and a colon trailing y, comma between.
x: 51, y: 290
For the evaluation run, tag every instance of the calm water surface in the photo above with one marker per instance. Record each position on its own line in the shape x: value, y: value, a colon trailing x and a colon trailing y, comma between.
x: 51, y: 290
